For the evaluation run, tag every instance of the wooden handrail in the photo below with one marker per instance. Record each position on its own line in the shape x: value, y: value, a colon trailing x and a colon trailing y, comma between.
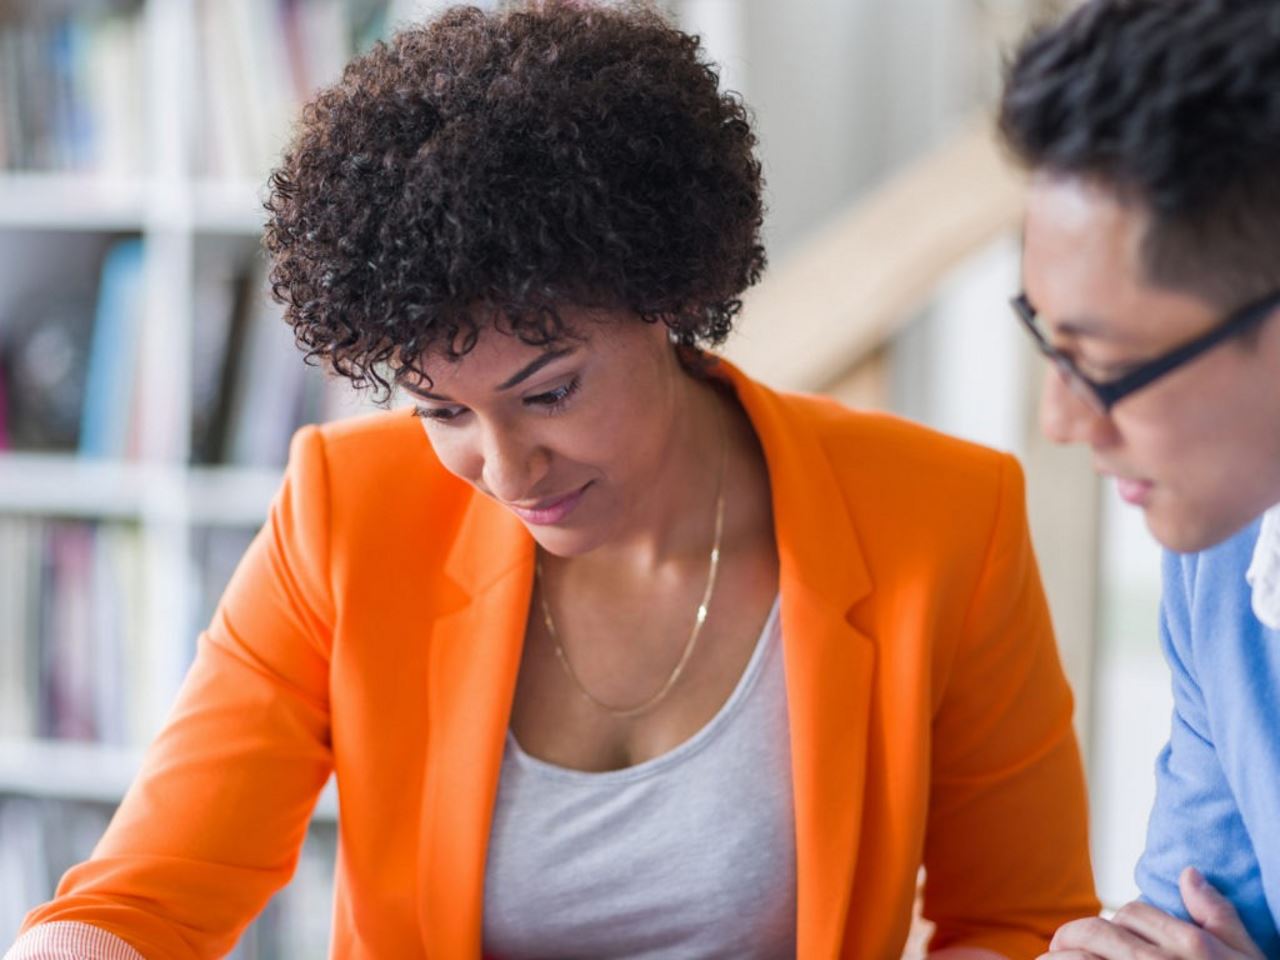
x: 854, y: 285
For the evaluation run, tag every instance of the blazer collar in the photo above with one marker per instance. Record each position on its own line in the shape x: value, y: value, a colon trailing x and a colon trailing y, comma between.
x: 475, y: 656
x: 829, y: 663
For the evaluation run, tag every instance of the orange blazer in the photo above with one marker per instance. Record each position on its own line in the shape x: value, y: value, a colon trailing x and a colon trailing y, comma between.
x: 374, y: 629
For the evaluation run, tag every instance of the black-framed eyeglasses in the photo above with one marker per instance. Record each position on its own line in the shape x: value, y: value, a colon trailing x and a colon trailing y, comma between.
x: 1103, y: 396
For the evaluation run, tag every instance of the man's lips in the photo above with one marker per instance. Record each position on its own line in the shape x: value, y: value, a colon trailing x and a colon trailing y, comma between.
x: 1135, y: 492
x: 550, y: 510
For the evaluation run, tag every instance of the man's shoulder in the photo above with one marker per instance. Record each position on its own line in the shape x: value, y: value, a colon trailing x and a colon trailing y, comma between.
x: 1211, y: 635
x: 1222, y: 566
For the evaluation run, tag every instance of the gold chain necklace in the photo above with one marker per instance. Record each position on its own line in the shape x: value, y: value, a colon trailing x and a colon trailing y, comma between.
x: 713, y: 567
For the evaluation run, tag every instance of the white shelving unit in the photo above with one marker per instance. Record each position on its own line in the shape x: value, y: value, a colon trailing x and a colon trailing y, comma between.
x: 68, y: 486
x: 95, y: 773
x: 233, y: 207
x: 178, y: 212
x: 68, y: 202
x: 170, y: 529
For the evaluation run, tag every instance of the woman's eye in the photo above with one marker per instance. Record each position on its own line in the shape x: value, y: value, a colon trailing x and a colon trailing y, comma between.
x: 554, y: 399
x: 438, y: 414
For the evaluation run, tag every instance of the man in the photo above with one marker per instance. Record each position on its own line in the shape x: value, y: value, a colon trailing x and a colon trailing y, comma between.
x: 1151, y: 129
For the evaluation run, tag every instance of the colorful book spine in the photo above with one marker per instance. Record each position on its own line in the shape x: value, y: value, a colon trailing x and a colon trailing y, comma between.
x: 71, y: 95
x: 113, y: 353
x: 4, y: 411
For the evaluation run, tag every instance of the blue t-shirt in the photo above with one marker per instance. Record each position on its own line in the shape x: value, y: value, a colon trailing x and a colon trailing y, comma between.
x: 1217, y: 804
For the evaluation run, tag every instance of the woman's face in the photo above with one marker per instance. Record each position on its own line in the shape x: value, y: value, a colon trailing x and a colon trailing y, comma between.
x: 571, y: 438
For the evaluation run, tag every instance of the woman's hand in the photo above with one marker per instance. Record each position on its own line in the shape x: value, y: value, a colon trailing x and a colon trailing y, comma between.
x: 1140, y: 931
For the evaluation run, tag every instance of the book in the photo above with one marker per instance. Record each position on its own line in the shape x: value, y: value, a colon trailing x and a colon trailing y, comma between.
x: 73, y: 663
x: 268, y: 395
x: 71, y: 89
x: 220, y: 297
x: 113, y: 353
x: 44, y: 352
x: 69, y: 654
x: 19, y: 666
x: 260, y: 60
x: 40, y: 839
x: 4, y: 411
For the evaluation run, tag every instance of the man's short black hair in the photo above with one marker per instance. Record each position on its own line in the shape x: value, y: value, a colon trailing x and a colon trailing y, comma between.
x: 1174, y: 104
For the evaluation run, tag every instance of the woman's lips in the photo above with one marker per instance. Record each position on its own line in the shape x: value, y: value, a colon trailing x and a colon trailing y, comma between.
x: 1136, y: 492
x: 551, y: 511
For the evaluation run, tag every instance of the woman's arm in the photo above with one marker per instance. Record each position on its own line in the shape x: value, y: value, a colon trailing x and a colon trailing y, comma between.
x: 1006, y: 849
x: 64, y: 939
x: 215, y: 821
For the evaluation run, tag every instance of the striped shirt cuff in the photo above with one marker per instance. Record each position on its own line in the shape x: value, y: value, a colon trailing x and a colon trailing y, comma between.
x: 64, y: 940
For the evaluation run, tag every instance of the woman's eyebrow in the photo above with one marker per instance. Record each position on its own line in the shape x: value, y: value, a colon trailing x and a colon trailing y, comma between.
x: 551, y: 356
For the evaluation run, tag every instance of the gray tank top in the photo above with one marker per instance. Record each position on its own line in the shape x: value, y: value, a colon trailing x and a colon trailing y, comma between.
x: 691, y: 854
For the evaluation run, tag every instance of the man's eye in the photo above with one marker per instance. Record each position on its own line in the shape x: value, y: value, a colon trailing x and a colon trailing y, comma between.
x: 1106, y: 372
x: 1099, y: 371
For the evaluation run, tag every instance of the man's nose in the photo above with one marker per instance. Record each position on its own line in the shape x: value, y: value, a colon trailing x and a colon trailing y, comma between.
x: 1066, y: 417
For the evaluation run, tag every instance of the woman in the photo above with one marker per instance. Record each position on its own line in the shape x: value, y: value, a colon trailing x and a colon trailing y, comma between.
x: 628, y: 655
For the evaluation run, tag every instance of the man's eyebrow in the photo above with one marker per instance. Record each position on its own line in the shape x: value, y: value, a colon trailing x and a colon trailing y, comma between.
x: 551, y: 356
x: 1091, y: 328
x: 1081, y: 327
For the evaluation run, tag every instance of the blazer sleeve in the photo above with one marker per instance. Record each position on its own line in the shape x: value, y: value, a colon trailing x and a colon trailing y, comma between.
x: 1006, y: 849
x: 214, y: 823
x: 1195, y: 820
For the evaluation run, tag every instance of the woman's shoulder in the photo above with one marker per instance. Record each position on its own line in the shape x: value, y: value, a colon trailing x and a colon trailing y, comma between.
x: 382, y: 430
x: 380, y: 462
x: 871, y: 444
x: 905, y: 486
x: 377, y: 446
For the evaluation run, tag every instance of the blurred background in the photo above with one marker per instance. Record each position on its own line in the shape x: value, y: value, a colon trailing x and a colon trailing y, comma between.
x: 148, y: 389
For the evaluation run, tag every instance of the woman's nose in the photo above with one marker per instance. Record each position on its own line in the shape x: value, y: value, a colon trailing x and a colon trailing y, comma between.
x: 514, y: 467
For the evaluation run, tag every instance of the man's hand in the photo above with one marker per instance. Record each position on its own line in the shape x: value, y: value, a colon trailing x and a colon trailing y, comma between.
x: 1139, y: 931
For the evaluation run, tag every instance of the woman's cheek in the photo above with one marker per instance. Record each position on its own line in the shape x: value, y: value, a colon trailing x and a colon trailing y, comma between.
x: 454, y: 454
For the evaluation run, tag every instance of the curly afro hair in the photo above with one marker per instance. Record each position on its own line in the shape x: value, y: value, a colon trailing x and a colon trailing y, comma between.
x: 486, y: 168
x: 1174, y: 104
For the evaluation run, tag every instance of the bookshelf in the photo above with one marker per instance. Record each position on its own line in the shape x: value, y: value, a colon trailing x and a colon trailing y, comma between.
x: 71, y: 202
x: 90, y: 773
x: 147, y: 387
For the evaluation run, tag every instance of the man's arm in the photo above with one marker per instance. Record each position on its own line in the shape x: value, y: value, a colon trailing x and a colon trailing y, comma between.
x: 1197, y: 843
x: 1214, y: 932
x: 1195, y: 821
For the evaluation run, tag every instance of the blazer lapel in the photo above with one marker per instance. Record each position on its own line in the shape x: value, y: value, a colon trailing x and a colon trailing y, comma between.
x: 475, y: 656
x: 829, y: 663
x: 474, y: 659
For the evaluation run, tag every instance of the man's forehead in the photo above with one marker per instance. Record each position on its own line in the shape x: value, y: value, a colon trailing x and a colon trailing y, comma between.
x: 1076, y: 235
x: 1078, y: 205
x: 1082, y: 258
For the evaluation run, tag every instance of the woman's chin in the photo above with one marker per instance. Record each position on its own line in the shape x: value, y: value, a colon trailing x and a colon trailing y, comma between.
x: 565, y: 542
